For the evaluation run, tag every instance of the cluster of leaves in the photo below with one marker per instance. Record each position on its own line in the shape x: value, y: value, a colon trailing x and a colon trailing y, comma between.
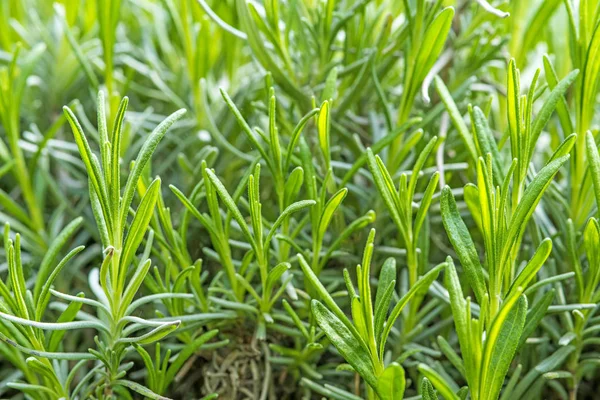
x: 289, y: 132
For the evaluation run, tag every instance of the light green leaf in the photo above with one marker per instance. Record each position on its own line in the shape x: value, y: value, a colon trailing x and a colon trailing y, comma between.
x: 114, y: 181
x: 134, y: 284
x: 565, y: 147
x: 291, y: 209
x: 323, y: 128
x: 350, y: 346
x: 532, y: 267
x: 383, y: 297
x: 293, y: 185
x: 438, y: 382
x: 425, y: 203
x: 142, y: 159
x: 391, y: 383
x: 433, y: 42
x: 296, y: 135
x: 93, y: 169
x: 139, y: 225
x: 427, y: 391
x: 230, y: 204
x: 330, y: 207
x: 500, y: 345
x: 594, y: 161
x: 275, y: 274
x: 463, y: 244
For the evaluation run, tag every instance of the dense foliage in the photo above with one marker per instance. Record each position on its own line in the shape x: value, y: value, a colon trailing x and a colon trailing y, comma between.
x: 273, y: 199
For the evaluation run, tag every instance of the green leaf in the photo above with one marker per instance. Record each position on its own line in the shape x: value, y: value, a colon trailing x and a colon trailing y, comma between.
x: 591, y: 243
x: 44, y: 296
x: 549, y: 106
x: 535, y: 315
x: 456, y: 117
x: 358, y: 317
x: 134, y: 284
x: 594, y: 161
x: 565, y: 147
x: 244, y: 282
x: 386, y: 189
x: 486, y: 141
x: 471, y: 197
x: 461, y: 315
x: 46, y: 354
x: 452, y: 356
x: 136, y: 387
x: 433, y: 41
x: 324, y: 294
x: 262, y: 54
x: 561, y: 107
x: 230, y: 204
x: 154, y: 335
x: 438, y: 382
x: 514, y: 112
x: 328, y: 390
x: 115, y: 143
x: 291, y: 209
x: 323, y: 128
x: 391, y: 383
x: 350, y: 346
x: 500, y: 346
x: 531, y: 269
x: 529, y: 201
x: 54, y: 341
x: 383, y: 297
x: 15, y: 273
x: 330, y: 207
x: 51, y: 253
x: 414, y: 177
x: 275, y: 274
x: 589, y: 78
x: 13, y: 208
x: 423, y: 283
x: 139, y: 225
x: 293, y: 185
x: 151, y: 370
x: 463, y: 244
x: 425, y: 203
x: 427, y: 391
x: 142, y: 159
x: 296, y: 135
x: 31, y: 389
x: 92, y: 168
